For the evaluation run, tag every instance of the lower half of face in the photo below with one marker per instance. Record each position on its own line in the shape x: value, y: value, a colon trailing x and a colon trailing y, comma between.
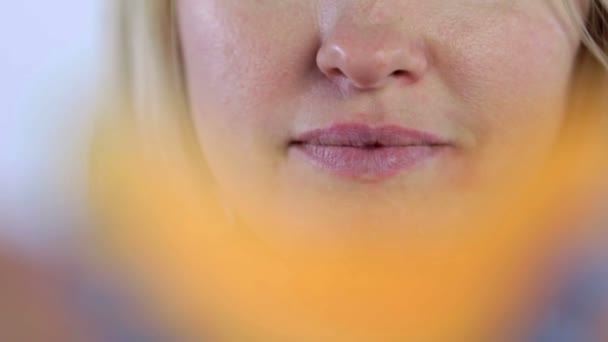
x: 321, y: 116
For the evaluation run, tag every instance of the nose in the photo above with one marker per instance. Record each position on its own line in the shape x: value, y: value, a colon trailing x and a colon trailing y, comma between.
x: 372, y: 57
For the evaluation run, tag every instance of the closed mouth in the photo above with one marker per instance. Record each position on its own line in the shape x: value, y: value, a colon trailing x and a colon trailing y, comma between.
x: 362, y: 152
x: 363, y: 136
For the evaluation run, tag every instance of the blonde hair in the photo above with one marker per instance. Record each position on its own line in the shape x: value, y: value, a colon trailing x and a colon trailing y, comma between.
x: 152, y: 81
x: 594, y: 28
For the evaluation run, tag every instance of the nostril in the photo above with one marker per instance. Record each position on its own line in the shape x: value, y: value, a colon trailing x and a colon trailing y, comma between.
x: 336, y: 72
x: 399, y: 73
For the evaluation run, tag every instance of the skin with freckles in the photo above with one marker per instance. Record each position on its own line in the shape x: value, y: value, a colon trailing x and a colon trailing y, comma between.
x: 489, y: 79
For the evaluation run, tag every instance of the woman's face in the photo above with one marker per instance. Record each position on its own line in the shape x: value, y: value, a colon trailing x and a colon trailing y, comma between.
x: 319, y: 114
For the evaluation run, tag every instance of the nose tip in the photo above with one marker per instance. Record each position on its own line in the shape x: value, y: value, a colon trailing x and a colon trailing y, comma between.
x: 372, y: 65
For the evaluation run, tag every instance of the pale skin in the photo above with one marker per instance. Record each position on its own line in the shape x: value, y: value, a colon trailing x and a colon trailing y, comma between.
x: 490, y: 77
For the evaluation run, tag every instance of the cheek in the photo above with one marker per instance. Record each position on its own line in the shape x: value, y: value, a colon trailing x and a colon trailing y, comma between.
x: 239, y: 63
x: 508, y: 68
x: 245, y: 76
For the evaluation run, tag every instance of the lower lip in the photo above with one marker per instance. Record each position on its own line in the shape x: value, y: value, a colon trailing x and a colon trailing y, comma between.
x: 366, y: 163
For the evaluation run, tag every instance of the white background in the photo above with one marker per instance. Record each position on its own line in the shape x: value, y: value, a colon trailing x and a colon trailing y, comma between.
x: 51, y: 53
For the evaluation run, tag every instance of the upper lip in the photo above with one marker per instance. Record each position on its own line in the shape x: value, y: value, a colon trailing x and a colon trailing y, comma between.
x: 365, y: 136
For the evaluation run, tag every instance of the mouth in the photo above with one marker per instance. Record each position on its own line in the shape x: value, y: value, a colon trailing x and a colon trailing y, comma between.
x: 358, y: 151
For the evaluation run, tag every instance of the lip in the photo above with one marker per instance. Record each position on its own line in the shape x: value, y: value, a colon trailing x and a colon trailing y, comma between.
x: 359, y: 151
